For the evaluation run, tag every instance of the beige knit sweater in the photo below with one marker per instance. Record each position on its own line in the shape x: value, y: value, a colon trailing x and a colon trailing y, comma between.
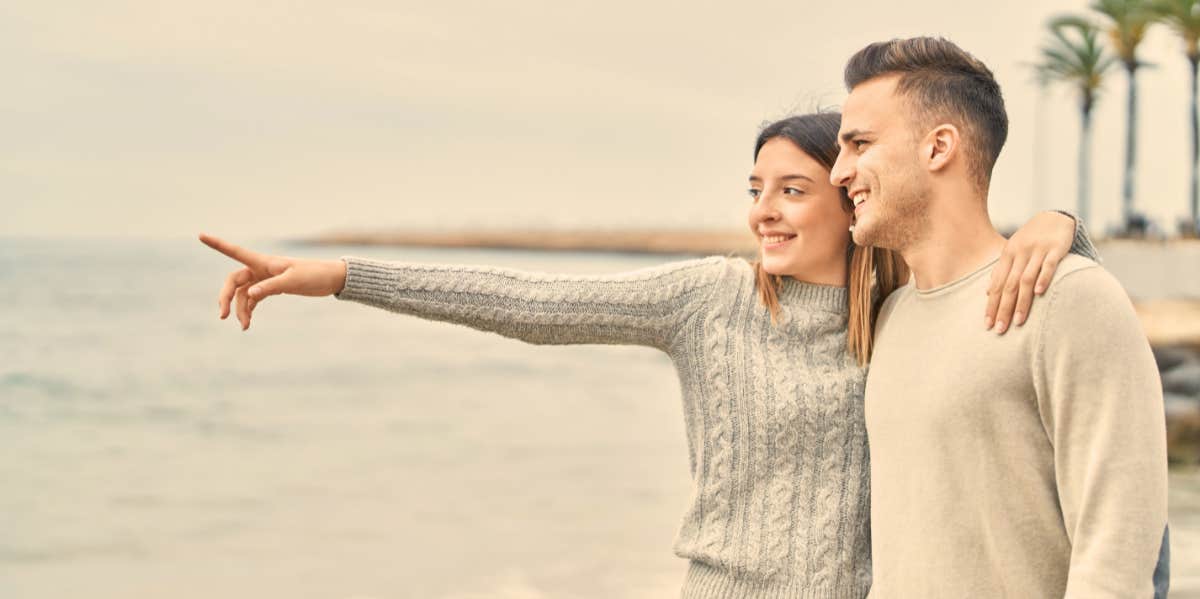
x: 1030, y: 465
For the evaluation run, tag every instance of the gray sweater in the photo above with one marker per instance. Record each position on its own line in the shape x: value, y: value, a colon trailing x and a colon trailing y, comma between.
x: 774, y: 419
x: 774, y: 413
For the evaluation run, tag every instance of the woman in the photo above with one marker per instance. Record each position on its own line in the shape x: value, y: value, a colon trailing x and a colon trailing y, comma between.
x: 770, y: 357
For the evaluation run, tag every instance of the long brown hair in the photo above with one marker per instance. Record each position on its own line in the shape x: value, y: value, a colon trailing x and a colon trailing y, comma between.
x: 873, y: 272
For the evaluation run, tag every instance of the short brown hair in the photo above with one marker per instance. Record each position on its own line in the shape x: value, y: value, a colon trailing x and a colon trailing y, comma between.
x: 942, y: 81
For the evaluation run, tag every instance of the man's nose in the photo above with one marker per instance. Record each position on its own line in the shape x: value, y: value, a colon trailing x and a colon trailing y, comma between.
x: 842, y: 172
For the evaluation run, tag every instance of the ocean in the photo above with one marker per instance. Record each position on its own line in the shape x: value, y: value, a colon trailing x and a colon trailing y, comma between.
x: 148, y: 449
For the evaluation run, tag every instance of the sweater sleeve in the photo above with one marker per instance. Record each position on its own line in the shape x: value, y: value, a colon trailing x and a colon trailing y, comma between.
x: 1100, y: 400
x: 641, y: 307
x: 1082, y: 243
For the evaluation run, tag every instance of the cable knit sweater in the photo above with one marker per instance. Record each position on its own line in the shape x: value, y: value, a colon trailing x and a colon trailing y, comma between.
x: 773, y: 412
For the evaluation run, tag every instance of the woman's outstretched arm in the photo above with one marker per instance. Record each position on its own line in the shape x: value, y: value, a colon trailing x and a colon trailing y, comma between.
x: 643, y: 307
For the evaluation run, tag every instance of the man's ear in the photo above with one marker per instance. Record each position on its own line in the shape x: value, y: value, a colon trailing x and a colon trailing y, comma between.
x: 940, y: 147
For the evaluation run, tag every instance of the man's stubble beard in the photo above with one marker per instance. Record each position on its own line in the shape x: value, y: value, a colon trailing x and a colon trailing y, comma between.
x: 899, y: 222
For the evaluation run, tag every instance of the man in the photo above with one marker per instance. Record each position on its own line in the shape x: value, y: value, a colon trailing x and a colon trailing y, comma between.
x: 1027, y: 465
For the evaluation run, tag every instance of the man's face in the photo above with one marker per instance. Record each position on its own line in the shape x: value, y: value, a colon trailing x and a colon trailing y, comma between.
x: 879, y: 165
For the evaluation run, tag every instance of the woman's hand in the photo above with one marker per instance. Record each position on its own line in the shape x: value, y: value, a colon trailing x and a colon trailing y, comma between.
x: 265, y: 275
x: 1026, y: 266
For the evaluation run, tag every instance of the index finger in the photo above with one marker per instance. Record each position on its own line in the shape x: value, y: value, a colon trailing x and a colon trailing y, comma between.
x: 237, y: 252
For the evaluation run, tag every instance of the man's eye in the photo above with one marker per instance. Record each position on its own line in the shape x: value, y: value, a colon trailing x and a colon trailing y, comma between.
x: 753, y: 193
x: 793, y: 191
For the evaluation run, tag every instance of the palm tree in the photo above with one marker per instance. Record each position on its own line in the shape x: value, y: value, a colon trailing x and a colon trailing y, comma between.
x: 1184, y: 17
x: 1074, y: 56
x: 1127, y: 24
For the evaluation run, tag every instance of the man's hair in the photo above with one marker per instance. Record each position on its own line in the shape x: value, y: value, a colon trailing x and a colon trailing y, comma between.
x: 942, y: 83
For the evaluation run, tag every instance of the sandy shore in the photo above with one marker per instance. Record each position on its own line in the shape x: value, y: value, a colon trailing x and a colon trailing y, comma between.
x: 1170, y: 322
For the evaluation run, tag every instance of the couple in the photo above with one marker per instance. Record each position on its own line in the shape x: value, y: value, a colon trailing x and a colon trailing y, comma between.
x: 1018, y: 455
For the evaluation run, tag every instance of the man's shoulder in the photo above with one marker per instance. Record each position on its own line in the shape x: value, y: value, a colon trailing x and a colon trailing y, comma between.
x: 1084, y: 292
x: 1072, y: 264
x: 1082, y: 279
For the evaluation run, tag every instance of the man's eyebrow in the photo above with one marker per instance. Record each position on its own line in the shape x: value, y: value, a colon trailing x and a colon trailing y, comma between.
x: 851, y: 134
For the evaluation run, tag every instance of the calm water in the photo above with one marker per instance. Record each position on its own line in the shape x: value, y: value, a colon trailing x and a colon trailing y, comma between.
x: 148, y: 449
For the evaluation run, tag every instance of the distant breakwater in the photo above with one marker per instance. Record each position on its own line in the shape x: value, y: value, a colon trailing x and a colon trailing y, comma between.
x: 652, y: 242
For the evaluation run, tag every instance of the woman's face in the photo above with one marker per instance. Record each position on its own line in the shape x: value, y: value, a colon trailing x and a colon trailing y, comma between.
x: 800, y: 219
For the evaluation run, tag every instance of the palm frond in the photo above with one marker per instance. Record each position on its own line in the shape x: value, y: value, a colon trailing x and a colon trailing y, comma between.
x: 1182, y: 16
x: 1073, y: 55
x: 1127, y: 24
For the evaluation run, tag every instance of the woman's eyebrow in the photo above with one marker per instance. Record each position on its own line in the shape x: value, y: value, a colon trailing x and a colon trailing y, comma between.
x: 757, y: 179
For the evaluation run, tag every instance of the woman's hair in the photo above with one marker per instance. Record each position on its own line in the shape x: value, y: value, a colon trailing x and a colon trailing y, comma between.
x: 873, y: 272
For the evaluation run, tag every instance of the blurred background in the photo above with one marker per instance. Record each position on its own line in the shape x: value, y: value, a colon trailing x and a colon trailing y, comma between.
x: 334, y: 451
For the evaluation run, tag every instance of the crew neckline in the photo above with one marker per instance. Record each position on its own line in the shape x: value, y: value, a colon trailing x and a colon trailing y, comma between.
x: 957, y: 283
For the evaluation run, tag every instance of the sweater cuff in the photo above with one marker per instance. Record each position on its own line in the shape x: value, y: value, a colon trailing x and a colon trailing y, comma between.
x: 367, y: 281
x: 1082, y: 244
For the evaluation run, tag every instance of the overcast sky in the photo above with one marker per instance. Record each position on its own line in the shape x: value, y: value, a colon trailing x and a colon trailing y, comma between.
x: 276, y: 119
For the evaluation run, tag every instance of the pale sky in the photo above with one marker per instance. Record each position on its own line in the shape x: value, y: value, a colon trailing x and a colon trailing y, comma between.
x: 277, y: 119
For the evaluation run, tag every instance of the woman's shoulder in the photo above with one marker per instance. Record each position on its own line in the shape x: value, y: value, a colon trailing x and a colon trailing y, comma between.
x: 735, y: 266
x: 709, y: 280
x: 734, y: 272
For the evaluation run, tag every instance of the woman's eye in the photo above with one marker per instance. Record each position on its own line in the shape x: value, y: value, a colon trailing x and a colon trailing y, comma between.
x: 793, y: 191
x: 753, y: 193
x: 859, y: 143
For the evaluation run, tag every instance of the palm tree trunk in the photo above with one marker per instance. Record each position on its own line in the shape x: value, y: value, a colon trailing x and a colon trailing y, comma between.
x: 1194, y: 61
x: 1085, y: 142
x: 1130, y: 148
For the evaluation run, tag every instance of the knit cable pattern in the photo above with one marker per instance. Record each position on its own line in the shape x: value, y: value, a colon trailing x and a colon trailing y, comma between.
x: 786, y: 438
x: 718, y: 442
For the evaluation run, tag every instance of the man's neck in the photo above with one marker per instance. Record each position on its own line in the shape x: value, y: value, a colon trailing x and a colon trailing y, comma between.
x: 955, y: 244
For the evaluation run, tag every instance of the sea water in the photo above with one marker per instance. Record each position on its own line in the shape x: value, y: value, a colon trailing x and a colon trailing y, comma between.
x: 148, y: 449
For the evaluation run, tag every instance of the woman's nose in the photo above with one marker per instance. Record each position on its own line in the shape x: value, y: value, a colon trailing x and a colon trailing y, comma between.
x: 764, y: 210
